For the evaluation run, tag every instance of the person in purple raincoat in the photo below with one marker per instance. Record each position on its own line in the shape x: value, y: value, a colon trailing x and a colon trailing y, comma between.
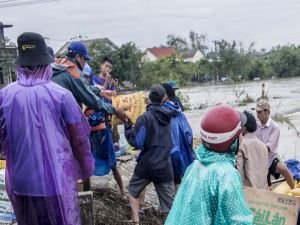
x: 45, y: 137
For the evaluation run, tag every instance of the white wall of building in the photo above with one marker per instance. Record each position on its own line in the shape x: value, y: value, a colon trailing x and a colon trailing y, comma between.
x: 149, y: 57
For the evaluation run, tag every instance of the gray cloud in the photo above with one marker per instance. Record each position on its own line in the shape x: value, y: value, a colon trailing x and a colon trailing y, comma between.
x: 147, y: 23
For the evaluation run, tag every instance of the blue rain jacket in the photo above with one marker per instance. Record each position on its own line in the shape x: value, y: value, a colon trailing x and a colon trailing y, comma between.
x: 182, y: 137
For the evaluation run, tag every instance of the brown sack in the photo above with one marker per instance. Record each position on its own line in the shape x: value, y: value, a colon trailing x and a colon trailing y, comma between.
x: 133, y: 104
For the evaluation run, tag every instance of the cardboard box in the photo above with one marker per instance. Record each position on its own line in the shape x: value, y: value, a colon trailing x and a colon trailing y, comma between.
x: 2, y: 164
x: 272, y: 208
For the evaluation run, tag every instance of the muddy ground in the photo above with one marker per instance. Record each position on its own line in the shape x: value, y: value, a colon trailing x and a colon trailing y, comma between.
x: 111, y: 208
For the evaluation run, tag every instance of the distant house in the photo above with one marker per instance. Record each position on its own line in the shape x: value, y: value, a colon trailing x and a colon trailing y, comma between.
x: 192, y: 56
x: 153, y: 54
x: 8, y: 55
x: 64, y: 49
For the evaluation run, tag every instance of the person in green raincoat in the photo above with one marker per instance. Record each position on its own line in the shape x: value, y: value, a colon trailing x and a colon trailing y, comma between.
x: 211, y: 190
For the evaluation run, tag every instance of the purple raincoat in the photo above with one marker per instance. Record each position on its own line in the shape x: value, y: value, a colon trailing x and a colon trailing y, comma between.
x: 45, y: 137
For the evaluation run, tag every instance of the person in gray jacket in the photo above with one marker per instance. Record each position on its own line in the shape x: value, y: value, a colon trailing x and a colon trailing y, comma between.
x: 67, y: 73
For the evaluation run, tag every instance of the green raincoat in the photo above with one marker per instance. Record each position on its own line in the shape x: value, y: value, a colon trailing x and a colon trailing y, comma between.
x: 210, y: 193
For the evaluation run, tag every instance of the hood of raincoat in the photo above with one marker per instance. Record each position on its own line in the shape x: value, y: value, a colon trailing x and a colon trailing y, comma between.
x: 46, y: 140
x: 206, y: 156
x: 173, y: 106
x: 211, y: 185
x: 161, y: 114
x: 182, y: 137
x: 30, y: 77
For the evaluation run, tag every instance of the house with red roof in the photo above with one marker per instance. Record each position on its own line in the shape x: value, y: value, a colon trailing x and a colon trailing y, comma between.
x: 153, y: 54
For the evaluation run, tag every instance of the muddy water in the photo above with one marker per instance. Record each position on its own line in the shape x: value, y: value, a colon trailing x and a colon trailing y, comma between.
x: 284, y: 97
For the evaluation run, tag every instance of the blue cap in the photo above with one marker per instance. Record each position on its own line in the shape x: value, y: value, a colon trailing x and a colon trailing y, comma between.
x: 80, y: 49
x: 173, y: 84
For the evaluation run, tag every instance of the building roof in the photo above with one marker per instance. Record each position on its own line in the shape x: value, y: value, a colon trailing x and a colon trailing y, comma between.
x: 190, y: 53
x: 162, y: 52
x: 64, y: 49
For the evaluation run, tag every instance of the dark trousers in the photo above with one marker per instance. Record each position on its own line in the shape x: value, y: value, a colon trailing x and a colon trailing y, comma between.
x: 39, y: 210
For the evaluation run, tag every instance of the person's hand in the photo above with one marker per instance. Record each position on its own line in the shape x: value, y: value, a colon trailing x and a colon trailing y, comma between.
x: 108, y: 93
x: 107, y: 77
x: 115, y: 82
x: 120, y: 113
x: 147, y: 100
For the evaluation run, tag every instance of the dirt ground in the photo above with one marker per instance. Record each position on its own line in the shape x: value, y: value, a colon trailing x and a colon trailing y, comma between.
x: 110, y: 208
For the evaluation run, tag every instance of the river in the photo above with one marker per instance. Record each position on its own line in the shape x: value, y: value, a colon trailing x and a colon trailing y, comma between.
x: 283, y: 95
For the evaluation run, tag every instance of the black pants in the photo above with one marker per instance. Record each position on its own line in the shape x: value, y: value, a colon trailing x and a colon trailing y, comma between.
x: 39, y: 210
x: 272, y: 171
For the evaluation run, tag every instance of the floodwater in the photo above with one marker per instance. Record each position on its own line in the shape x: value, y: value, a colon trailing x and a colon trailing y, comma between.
x: 283, y: 95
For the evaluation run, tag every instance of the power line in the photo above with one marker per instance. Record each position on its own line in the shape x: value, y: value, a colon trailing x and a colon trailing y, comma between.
x: 25, y: 3
x: 54, y: 39
x: 8, y: 1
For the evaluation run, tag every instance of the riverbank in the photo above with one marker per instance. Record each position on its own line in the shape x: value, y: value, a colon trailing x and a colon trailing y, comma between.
x: 283, y: 95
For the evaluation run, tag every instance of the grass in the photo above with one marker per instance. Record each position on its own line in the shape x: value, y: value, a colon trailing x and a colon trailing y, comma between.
x: 285, y: 119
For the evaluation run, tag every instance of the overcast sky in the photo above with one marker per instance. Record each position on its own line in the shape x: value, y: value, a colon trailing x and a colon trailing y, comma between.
x: 148, y: 22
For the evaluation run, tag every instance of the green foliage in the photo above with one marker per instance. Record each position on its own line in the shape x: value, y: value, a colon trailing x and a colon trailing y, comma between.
x: 126, y: 60
x: 98, y: 50
x: 177, y: 42
x: 227, y: 59
x: 166, y: 69
x: 259, y: 68
x: 285, y: 61
x: 185, y: 100
x: 198, y: 41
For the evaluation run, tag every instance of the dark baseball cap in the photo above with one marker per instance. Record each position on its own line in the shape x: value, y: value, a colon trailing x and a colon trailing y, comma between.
x: 79, y: 48
x: 32, y: 50
x: 157, y: 93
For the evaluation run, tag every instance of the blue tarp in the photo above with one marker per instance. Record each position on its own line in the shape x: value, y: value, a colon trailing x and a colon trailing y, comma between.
x: 294, y: 167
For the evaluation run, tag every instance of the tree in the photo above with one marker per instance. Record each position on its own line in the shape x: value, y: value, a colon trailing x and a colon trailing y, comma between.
x: 285, y: 60
x: 126, y: 60
x: 229, y: 59
x: 177, y: 42
x: 165, y: 69
x: 198, y: 41
x: 98, y: 50
x: 259, y: 68
x: 127, y: 63
x: 9, y: 42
